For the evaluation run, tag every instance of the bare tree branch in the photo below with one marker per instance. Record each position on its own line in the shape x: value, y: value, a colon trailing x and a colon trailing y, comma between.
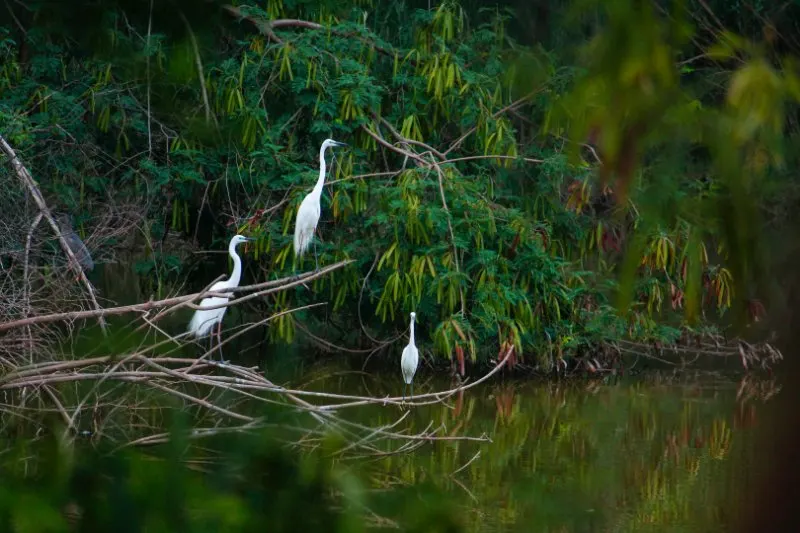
x: 30, y: 184
x: 263, y: 289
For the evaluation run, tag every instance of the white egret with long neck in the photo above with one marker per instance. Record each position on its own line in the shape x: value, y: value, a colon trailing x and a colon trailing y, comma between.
x: 205, y: 319
x: 409, y: 360
x: 308, y: 214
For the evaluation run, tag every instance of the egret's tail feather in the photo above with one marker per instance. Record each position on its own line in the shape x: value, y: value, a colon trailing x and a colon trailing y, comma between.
x: 203, y: 321
x: 302, y: 240
x: 195, y: 325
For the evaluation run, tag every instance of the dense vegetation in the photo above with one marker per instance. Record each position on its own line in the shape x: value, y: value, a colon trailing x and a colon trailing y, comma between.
x: 462, y: 196
x: 575, y: 179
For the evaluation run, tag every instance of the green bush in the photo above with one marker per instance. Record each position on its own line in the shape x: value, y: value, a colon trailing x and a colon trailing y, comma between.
x: 208, y: 118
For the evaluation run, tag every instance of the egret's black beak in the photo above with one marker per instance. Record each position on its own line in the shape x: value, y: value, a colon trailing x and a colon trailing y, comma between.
x: 249, y: 239
x: 341, y: 143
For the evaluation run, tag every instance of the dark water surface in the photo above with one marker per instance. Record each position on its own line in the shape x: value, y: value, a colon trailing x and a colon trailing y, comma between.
x: 643, y: 454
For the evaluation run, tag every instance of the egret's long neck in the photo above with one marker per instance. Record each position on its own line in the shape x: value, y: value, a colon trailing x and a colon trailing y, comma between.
x: 321, y: 181
x: 412, y: 331
x: 236, y: 275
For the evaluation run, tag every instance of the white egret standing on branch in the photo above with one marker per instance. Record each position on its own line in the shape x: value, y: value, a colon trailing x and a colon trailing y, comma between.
x: 409, y: 360
x: 205, y: 319
x: 308, y: 214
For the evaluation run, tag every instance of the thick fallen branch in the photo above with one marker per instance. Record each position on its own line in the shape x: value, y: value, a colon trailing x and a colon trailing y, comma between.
x: 200, y: 384
x: 186, y: 378
x: 436, y: 397
x: 245, y: 379
x: 259, y: 289
x: 750, y: 355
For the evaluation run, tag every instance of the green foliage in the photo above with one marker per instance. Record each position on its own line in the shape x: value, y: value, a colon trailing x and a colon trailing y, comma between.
x: 251, y: 485
x: 699, y: 157
x: 186, y: 116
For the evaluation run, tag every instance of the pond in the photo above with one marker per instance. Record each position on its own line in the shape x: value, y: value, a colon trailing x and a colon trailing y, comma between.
x: 657, y: 451
x: 648, y: 452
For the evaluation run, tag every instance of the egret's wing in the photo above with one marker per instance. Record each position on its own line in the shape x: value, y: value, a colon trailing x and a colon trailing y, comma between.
x: 408, y: 362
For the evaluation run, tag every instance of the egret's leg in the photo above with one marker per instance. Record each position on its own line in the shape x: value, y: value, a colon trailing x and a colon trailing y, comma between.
x: 213, y: 341
x: 404, y: 390
x: 316, y: 261
x: 219, y: 341
x: 412, y: 390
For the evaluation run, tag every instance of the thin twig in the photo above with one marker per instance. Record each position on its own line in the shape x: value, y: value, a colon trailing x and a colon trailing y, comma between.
x: 200, y: 74
x: 147, y: 66
x: 512, y: 105
x: 406, y: 140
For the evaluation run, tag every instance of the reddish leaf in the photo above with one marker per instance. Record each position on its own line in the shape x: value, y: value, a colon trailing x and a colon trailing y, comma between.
x: 512, y: 250
x: 460, y: 358
x: 756, y: 310
x: 544, y: 236
x: 459, y: 404
x: 610, y: 241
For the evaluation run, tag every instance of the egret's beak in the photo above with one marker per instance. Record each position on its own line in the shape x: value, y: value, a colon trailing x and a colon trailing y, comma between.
x: 249, y: 239
x: 341, y: 143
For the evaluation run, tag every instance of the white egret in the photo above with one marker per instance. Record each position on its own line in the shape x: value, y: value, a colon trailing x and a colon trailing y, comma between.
x: 308, y: 214
x: 409, y: 360
x: 205, y: 319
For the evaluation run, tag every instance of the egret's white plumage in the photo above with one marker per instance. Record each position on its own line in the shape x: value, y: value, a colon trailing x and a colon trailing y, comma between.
x: 308, y: 214
x: 409, y: 360
x: 205, y: 319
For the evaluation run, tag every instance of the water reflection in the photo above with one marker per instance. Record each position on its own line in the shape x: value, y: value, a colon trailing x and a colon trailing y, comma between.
x: 654, y: 454
x: 651, y: 453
